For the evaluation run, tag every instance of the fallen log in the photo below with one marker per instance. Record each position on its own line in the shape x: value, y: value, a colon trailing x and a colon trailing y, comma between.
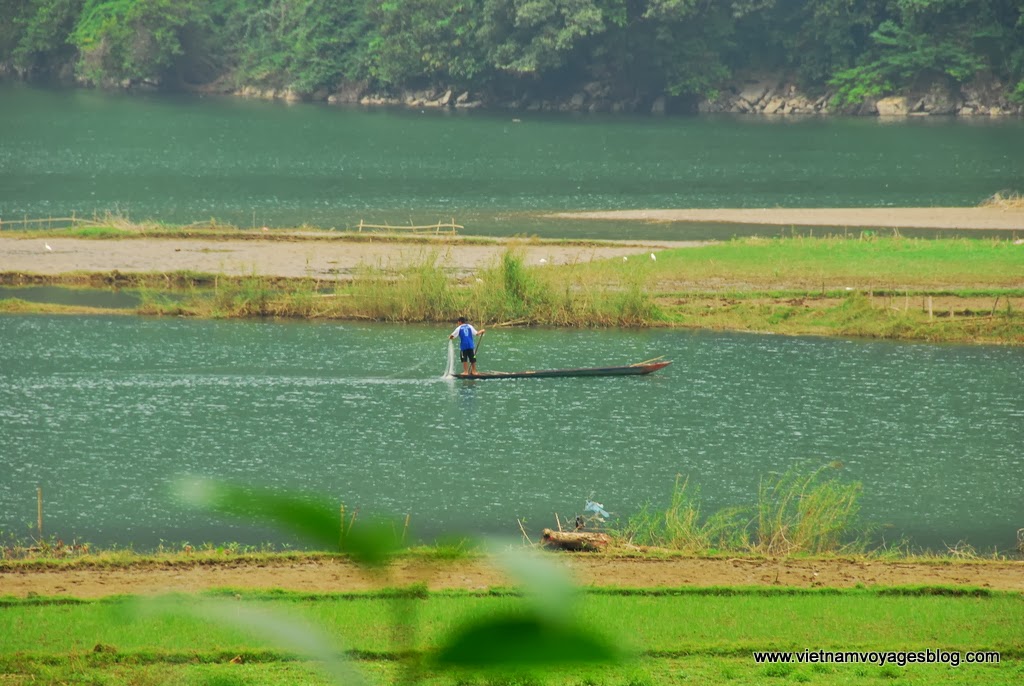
x: 575, y: 540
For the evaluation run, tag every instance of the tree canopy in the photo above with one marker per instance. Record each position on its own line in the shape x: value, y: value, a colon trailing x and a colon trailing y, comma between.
x: 636, y: 48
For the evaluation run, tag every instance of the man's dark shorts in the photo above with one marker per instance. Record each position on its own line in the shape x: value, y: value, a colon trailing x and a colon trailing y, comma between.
x: 469, y: 355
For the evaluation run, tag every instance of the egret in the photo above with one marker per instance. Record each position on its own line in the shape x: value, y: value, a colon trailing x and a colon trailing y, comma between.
x: 653, y: 257
x: 624, y: 258
x: 543, y: 261
x: 47, y: 245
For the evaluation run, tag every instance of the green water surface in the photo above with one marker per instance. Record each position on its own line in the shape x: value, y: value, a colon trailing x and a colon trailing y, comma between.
x: 105, y: 413
x: 186, y: 159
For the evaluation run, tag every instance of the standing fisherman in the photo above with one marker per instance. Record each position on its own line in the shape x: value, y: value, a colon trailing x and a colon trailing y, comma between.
x: 467, y: 344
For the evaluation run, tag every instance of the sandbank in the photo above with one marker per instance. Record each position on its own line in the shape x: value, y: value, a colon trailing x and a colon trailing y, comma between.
x: 966, y: 218
x: 326, y: 259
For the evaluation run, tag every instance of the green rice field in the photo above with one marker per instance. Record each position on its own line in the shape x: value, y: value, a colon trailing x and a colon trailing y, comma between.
x: 661, y: 636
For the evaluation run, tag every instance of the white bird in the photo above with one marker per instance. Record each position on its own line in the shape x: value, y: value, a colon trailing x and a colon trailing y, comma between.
x: 47, y: 245
x: 543, y: 261
x: 624, y: 258
x: 653, y: 257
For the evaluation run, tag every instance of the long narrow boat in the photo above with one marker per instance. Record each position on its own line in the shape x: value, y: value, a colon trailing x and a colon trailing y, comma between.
x: 628, y: 370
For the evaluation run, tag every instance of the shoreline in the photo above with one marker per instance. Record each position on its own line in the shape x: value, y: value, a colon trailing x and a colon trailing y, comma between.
x: 955, y: 218
x: 327, y: 256
x: 340, y: 575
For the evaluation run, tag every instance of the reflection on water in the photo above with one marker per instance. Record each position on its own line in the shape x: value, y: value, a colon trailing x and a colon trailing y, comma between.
x: 106, y: 412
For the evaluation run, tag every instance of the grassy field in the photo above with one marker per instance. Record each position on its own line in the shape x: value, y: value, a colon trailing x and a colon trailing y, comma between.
x: 942, y: 290
x: 662, y: 636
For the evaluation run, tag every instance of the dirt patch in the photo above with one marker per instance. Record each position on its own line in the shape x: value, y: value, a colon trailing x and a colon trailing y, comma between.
x: 320, y: 259
x: 337, y: 575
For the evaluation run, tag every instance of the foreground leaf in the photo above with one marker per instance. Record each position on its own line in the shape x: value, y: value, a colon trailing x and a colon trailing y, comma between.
x: 523, y: 641
x: 319, y: 522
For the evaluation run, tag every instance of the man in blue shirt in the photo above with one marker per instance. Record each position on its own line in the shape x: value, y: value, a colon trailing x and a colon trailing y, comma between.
x: 467, y: 344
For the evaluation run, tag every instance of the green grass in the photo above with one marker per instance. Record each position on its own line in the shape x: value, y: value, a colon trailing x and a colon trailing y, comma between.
x: 700, y: 634
x: 424, y: 292
x: 816, y: 263
x: 646, y: 672
x: 840, y: 286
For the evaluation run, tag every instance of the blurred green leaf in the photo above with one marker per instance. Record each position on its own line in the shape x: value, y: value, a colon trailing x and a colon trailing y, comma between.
x: 523, y: 641
x: 369, y: 542
x: 543, y: 580
x: 303, y: 638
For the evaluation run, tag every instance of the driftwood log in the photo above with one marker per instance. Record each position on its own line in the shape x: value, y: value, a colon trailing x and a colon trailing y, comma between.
x: 575, y: 540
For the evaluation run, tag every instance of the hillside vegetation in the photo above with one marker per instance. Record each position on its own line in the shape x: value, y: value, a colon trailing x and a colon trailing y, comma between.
x: 625, y: 50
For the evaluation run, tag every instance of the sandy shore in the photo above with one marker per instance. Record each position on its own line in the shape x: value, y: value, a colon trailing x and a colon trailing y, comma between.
x: 967, y: 218
x: 323, y: 259
x: 330, y: 257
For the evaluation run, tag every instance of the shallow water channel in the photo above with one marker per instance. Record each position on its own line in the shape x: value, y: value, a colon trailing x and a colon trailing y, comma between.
x: 105, y: 413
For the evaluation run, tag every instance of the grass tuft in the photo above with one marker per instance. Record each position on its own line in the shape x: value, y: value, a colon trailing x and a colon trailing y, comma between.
x: 1005, y: 200
x: 796, y: 513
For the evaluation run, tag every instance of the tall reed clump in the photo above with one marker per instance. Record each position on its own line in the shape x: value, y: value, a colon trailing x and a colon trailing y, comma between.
x: 679, y: 526
x: 247, y: 297
x: 511, y: 290
x: 423, y: 291
x: 797, y: 512
x: 807, y: 513
x: 562, y: 296
x: 633, y: 301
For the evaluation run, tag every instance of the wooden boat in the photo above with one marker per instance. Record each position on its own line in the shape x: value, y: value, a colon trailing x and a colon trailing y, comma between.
x: 628, y: 370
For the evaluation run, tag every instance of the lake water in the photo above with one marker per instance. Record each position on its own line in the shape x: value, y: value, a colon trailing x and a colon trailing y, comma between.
x: 105, y: 413
x: 187, y: 159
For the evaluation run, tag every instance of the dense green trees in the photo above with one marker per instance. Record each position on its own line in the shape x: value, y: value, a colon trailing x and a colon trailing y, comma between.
x: 622, y: 48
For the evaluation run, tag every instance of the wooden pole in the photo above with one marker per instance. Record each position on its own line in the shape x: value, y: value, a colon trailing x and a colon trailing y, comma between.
x: 39, y: 511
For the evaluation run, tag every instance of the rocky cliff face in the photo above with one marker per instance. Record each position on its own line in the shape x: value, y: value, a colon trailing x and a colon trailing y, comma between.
x: 776, y: 96
x: 770, y: 96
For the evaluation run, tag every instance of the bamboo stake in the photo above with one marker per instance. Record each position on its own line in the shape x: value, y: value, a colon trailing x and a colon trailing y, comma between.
x: 525, y: 535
